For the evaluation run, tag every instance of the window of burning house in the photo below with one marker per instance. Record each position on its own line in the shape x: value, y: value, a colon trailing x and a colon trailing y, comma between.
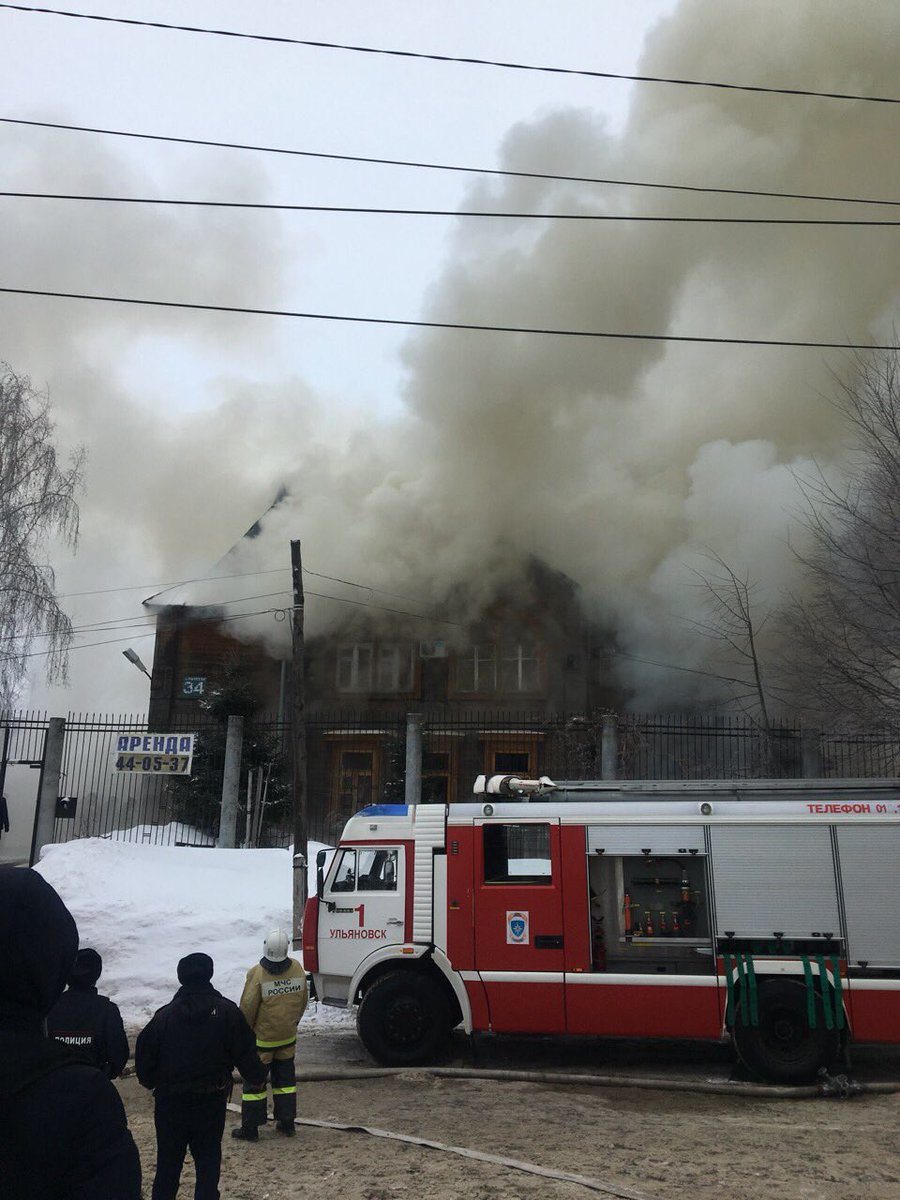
x: 518, y: 667
x: 395, y: 665
x: 354, y: 667
x: 476, y: 668
x: 514, y: 665
x: 435, y: 777
x: 371, y: 667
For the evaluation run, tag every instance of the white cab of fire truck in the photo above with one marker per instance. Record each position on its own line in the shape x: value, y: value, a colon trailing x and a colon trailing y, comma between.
x: 369, y: 932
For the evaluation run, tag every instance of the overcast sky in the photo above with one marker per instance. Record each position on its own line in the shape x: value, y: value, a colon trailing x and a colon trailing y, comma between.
x: 414, y: 458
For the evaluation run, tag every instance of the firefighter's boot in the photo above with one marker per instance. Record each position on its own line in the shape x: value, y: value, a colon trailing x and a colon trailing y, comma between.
x: 246, y: 1133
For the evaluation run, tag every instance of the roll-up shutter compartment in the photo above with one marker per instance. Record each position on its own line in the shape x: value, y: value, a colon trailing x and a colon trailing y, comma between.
x: 640, y: 839
x: 869, y: 858
x: 774, y: 879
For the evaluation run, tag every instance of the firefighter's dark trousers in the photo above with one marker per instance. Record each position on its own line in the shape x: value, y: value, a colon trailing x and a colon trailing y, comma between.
x: 279, y: 1064
x: 189, y: 1122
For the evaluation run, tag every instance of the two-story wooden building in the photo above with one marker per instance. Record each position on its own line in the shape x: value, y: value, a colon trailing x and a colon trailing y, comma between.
x: 485, y: 686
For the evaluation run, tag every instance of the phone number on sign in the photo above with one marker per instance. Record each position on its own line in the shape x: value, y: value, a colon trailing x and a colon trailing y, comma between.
x: 171, y: 764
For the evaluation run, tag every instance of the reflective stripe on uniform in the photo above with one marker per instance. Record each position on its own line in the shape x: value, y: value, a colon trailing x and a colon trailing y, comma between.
x: 253, y: 1096
x: 284, y: 1091
x: 275, y: 1045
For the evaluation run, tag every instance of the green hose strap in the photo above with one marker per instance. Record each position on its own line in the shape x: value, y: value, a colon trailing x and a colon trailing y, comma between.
x: 729, y: 992
x: 825, y: 988
x: 838, y: 993
x: 810, y: 993
x: 742, y: 985
x: 754, y: 1000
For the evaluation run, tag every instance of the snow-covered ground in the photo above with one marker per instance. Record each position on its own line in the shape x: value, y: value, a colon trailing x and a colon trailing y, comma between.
x: 143, y: 907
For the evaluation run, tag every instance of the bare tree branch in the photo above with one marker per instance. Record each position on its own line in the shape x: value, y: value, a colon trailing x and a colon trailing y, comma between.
x: 845, y: 629
x: 734, y: 624
x: 37, y: 500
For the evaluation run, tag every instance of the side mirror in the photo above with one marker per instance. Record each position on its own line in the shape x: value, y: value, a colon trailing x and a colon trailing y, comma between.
x: 320, y: 872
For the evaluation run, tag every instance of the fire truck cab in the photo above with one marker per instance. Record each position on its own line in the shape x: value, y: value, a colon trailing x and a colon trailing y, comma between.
x: 760, y: 911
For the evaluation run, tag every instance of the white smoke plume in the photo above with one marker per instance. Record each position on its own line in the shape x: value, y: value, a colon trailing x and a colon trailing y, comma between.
x: 616, y: 462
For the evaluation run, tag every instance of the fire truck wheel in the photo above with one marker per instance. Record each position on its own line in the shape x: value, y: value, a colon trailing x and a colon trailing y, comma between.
x: 782, y: 1048
x: 404, y: 1019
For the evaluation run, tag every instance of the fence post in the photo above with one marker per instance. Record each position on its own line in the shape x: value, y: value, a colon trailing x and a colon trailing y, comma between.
x: 48, y: 794
x: 231, y: 778
x: 412, y: 793
x: 811, y: 754
x: 609, y: 747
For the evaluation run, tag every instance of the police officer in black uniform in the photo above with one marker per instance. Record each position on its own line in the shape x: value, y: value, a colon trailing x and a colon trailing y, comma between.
x: 186, y: 1055
x: 87, y: 1021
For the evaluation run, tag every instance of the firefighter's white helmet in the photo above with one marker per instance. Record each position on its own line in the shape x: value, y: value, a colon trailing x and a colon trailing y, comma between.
x: 276, y: 945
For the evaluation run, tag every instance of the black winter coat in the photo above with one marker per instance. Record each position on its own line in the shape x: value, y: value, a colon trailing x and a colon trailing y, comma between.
x: 63, y: 1133
x: 194, y: 1043
x: 91, y: 1023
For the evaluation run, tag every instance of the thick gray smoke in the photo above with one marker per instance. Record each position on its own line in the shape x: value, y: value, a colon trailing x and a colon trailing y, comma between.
x: 616, y: 462
x: 619, y: 462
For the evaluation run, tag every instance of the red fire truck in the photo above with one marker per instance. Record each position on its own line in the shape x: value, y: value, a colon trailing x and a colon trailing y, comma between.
x: 760, y: 911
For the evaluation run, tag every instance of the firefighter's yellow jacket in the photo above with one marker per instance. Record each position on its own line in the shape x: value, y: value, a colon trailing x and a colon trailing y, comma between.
x: 274, y: 1002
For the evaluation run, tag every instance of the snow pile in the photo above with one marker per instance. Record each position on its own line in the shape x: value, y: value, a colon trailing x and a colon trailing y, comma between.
x: 144, y: 907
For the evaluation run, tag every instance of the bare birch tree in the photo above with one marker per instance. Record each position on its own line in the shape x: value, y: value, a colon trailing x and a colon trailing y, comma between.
x: 735, y: 623
x: 845, y: 627
x: 37, y: 501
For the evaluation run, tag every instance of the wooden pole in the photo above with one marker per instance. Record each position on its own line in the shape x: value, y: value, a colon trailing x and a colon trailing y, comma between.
x: 298, y: 747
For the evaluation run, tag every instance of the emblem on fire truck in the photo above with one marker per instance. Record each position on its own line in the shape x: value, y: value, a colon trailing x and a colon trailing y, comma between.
x: 517, y: 928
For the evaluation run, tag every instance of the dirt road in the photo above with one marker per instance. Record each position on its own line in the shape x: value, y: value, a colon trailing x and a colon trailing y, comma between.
x: 632, y: 1143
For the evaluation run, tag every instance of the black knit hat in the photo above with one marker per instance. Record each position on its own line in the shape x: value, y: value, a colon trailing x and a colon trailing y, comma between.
x: 86, y: 972
x: 195, y: 968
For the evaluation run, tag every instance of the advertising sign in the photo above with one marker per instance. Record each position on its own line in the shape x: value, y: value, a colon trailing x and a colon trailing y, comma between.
x: 154, y: 753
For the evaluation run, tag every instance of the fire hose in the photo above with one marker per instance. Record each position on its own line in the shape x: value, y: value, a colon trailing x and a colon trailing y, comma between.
x: 839, y: 1086
x: 585, y: 1181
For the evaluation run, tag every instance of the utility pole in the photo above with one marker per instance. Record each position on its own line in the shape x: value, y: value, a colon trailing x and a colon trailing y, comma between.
x: 298, y: 746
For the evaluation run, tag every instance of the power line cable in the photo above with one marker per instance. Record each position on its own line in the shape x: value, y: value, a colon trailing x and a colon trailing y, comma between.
x: 459, y: 59
x: 448, y: 212
x: 143, y: 587
x: 594, y: 334
x: 159, y: 587
x: 134, y: 622
x: 222, y: 619
x: 432, y: 166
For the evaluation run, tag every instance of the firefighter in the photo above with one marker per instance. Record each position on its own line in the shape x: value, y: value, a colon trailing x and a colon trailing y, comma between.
x: 186, y: 1055
x: 63, y: 1133
x: 273, y: 1001
x: 87, y: 1021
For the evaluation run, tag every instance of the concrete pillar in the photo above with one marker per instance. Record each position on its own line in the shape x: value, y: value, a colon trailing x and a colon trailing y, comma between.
x: 231, y: 778
x: 811, y: 754
x: 51, y: 774
x: 609, y: 747
x: 413, y: 791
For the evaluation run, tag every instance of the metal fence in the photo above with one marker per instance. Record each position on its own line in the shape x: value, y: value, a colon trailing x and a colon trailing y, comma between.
x: 98, y: 801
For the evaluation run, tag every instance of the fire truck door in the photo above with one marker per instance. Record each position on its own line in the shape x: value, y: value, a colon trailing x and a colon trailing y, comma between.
x: 519, y: 944
x: 363, y: 906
